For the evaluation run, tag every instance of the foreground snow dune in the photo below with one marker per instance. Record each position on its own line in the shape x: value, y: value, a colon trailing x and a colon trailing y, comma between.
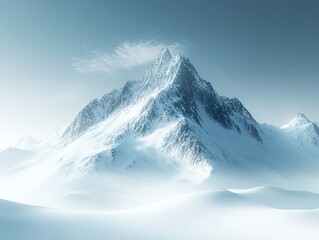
x: 203, y: 215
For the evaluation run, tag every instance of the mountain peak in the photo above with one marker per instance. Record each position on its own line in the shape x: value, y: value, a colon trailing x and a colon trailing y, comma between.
x: 165, y: 55
x: 302, y: 117
x: 299, y: 119
x: 164, y: 70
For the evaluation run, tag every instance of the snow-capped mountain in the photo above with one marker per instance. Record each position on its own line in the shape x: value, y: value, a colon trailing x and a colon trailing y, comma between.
x: 171, y: 106
x: 169, y: 123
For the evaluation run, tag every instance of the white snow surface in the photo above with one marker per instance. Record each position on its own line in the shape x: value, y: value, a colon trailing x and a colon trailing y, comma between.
x: 201, y: 215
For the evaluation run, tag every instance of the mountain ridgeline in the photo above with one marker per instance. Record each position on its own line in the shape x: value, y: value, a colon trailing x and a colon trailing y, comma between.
x: 171, y: 89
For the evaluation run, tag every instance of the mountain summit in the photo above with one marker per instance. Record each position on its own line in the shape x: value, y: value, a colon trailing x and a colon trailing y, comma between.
x: 165, y: 55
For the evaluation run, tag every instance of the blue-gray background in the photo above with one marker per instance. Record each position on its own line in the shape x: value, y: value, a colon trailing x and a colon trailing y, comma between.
x: 266, y: 53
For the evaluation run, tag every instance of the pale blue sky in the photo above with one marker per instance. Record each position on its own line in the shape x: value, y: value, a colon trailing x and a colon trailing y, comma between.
x: 55, y: 56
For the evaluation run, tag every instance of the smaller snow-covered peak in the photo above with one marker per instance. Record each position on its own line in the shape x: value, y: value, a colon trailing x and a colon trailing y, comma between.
x: 299, y: 120
x: 303, y: 131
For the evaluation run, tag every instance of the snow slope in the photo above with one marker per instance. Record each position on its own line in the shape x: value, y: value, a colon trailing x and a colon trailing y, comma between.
x: 203, y: 215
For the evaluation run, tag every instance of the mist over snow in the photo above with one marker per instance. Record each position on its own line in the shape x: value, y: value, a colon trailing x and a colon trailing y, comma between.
x: 164, y: 157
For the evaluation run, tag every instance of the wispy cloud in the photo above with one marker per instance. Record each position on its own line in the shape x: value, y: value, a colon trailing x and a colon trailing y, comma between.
x: 125, y: 56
